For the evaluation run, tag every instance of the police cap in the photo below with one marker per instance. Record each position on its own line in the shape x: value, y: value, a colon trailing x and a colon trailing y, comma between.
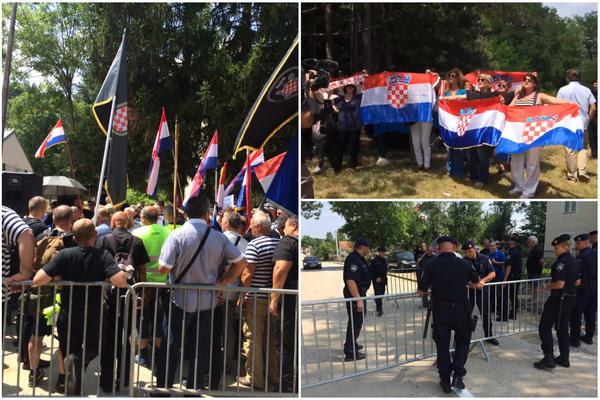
x: 443, y: 239
x: 593, y: 233
x: 515, y: 239
x: 562, y: 238
x: 382, y: 248
x: 362, y: 242
x: 468, y: 245
x: 582, y: 237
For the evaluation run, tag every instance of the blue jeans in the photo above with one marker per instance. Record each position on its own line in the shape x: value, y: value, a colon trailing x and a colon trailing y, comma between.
x: 456, y: 159
x: 172, y: 343
x: 479, y: 163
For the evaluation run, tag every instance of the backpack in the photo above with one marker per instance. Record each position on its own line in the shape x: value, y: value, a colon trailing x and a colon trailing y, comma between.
x: 124, y: 257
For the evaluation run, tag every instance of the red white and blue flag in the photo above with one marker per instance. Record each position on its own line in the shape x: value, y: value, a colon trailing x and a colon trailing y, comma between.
x: 162, y: 143
x: 219, y: 197
x: 354, y: 79
x: 514, y: 78
x: 257, y: 157
x: 267, y: 170
x: 528, y: 127
x: 465, y: 124
x: 209, y: 161
x: 398, y: 97
x: 56, y: 136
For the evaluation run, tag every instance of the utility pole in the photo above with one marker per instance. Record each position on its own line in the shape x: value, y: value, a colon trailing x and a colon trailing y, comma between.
x: 7, y: 64
x: 337, y: 246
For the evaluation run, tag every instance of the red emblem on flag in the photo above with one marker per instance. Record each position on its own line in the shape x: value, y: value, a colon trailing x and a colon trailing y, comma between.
x: 463, y: 123
x: 120, y: 120
x: 535, y: 128
x: 397, y: 94
x: 290, y: 87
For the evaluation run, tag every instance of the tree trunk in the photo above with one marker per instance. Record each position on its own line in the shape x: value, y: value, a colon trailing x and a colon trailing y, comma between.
x: 367, y: 49
x: 328, y: 30
x: 11, y: 33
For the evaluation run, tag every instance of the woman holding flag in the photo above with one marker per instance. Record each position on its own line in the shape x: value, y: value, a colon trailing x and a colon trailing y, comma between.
x: 525, y: 166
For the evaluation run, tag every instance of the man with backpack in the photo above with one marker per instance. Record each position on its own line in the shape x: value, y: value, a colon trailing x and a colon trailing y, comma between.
x: 130, y: 255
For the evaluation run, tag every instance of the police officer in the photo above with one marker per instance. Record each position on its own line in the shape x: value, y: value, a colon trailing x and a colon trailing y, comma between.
x: 594, y: 240
x: 514, y: 269
x: 587, y: 292
x: 448, y: 277
x: 558, y: 307
x: 484, y: 271
x: 378, y: 269
x: 356, y: 283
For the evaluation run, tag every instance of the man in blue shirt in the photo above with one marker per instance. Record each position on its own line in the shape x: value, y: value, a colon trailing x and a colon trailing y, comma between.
x: 577, y: 93
x: 497, y: 258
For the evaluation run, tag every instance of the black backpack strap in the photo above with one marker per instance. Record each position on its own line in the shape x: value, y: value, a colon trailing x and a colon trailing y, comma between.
x: 180, y: 277
x: 237, y: 240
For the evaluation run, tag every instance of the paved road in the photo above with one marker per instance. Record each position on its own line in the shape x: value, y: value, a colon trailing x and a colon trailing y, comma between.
x: 397, y: 337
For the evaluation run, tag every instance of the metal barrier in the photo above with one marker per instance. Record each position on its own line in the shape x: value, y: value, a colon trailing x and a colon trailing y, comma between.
x: 402, y: 280
x: 72, y: 334
x: 254, y: 312
x: 125, y: 377
x: 396, y: 337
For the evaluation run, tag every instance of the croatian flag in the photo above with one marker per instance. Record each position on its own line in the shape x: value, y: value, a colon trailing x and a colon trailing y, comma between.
x: 56, y: 136
x: 257, y: 157
x: 515, y: 79
x: 528, y: 127
x: 398, y: 97
x: 162, y: 143
x: 209, y: 161
x: 355, y: 79
x: 266, y: 171
x: 220, y: 195
x: 465, y: 124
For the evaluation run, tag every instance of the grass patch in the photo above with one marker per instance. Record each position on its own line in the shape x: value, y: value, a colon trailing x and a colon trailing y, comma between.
x: 401, y: 179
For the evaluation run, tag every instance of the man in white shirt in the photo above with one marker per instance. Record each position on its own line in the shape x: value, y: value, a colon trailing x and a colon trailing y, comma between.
x: 576, y: 92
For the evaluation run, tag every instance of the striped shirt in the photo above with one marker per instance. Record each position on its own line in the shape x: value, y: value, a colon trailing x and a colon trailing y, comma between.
x: 12, y: 227
x: 260, y: 253
x: 531, y: 102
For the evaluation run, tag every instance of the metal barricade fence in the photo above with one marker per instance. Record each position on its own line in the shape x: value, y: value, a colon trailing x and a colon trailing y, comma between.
x: 396, y: 337
x: 33, y: 312
x: 123, y: 322
x: 402, y: 280
x: 214, y: 345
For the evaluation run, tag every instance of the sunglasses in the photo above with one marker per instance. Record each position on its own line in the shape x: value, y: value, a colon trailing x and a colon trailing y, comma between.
x: 502, y: 86
x: 481, y: 80
x: 527, y: 80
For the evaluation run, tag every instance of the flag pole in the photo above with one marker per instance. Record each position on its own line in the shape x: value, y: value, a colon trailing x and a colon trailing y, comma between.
x: 72, y: 167
x: 105, y: 157
x: 176, y: 155
x: 178, y: 180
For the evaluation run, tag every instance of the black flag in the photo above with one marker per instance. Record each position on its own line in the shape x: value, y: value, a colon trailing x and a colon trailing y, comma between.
x: 114, y: 94
x: 276, y: 105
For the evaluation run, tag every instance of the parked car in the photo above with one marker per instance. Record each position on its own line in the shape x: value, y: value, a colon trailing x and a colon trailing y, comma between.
x: 402, y: 260
x: 311, y: 262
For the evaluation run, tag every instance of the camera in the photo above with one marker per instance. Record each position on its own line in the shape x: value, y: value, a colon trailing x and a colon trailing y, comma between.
x: 319, y: 72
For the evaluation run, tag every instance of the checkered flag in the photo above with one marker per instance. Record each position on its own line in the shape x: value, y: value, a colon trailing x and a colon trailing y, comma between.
x: 463, y: 123
x: 397, y: 94
x: 534, y: 129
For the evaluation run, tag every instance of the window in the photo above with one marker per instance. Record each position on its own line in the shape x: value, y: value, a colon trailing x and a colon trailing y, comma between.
x: 569, y: 207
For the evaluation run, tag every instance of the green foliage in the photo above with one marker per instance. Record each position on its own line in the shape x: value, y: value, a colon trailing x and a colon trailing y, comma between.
x: 205, y: 63
x: 135, y: 196
x: 412, y: 37
x: 498, y: 220
x: 535, y: 214
x: 321, y: 248
x: 311, y: 209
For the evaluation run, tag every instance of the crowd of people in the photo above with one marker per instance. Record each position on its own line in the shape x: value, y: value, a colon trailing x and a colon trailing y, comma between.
x: 337, y: 127
x: 160, y: 246
x: 573, y: 293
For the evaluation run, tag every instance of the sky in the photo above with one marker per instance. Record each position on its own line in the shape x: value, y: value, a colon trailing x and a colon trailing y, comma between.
x: 330, y: 222
x: 572, y: 9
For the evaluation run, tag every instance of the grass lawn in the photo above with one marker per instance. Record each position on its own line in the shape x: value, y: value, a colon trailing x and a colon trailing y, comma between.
x: 401, y: 179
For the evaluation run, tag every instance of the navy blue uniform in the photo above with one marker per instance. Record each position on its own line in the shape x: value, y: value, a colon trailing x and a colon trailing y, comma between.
x: 482, y: 268
x: 565, y: 268
x: 448, y: 276
x: 378, y: 269
x: 511, y: 291
x: 355, y: 269
x: 587, y: 295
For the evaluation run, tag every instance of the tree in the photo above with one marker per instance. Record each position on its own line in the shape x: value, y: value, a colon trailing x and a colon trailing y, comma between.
x: 464, y: 219
x: 381, y: 223
x: 311, y: 209
x: 498, y: 220
x: 535, y: 215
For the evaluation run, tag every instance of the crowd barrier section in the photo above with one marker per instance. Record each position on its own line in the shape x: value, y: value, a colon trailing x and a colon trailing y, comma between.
x: 402, y: 280
x: 135, y: 310
x: 396, y: 337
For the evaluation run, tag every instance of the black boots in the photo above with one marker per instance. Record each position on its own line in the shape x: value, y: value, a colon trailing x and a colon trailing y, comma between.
x: 457, y: 382
x: 562, y: 361
x: 445, y: 384
x: 545, y: 363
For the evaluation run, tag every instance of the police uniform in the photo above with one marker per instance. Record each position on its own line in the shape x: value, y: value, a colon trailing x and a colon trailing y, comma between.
x: 448, y: 277
x: 378, y: 269
x: 515, y: 260
x: 482, y: 267
x: 355, y: 269
x: 558, y: 308
x: 587, y: 295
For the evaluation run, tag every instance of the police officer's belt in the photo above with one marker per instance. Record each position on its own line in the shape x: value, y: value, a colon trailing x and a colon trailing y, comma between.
x: 444, y: 303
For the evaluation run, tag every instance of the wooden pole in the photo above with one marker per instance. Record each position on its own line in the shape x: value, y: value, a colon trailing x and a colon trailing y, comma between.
x: 72, y: 167
x: 7, y: 64
x: 176, y: 176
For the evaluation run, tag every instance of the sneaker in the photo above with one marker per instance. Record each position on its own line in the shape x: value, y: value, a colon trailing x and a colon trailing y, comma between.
x: 514, y: 191
x: 39, y: 375
x: 43, y: 364
x: 584, y: 175
x: 382, y: 162
x: 351, y: 357
x: 60, y: 385
x: 317, y: 170
x: 143, y: 359
x: 526, y: 196
x: 572, y: 179
x: 493, y: 341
